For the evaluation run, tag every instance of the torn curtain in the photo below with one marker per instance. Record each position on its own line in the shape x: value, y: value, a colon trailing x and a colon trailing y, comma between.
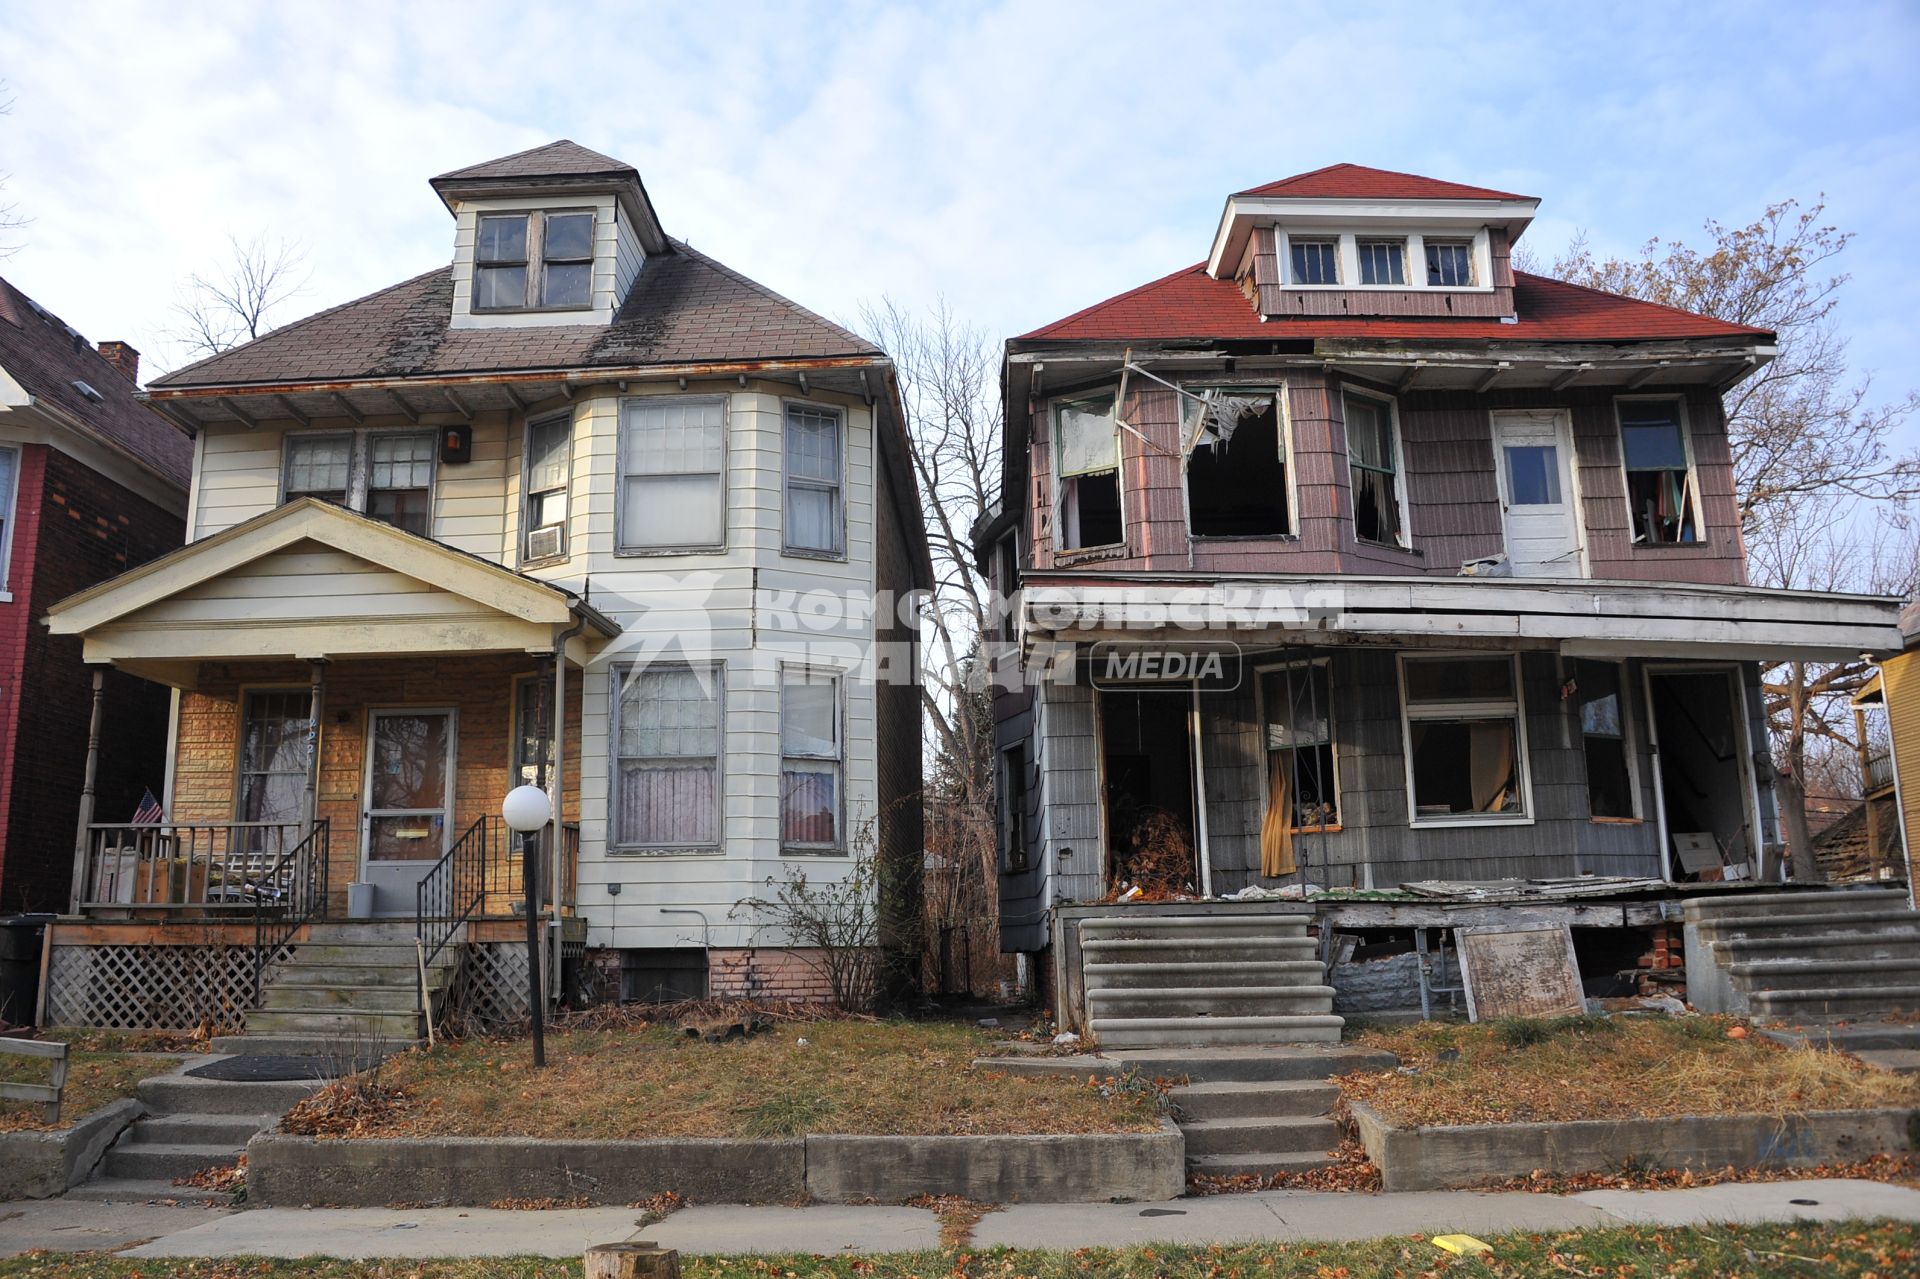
x: 1276, y: 829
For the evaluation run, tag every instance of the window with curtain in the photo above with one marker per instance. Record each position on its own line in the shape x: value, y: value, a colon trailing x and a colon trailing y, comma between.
x: 813, y: 466
x: 9, y: 488
x: 1087, y: 453
x: 274, y: 750
x: 1296, y: 734
x: 400, y: 479
x: 1603, y: 736
x: 1449, y: 264
x: 1374, y: 465
x: 672, y: 474
x: 1660, y: 487
x: 319, y: 466
x: 1315, y: 261
x: 810, y: 760
x: 666, y: 734
x: 1461, y: 717
x: 549, y: 469
x: 1383, y: 261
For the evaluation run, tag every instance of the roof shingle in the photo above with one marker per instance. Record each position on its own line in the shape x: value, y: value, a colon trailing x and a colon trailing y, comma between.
x: 1357, y: 182
x: 563, y: 158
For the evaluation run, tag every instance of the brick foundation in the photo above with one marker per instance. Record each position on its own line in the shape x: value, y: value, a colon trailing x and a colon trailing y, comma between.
x: 796, y: 975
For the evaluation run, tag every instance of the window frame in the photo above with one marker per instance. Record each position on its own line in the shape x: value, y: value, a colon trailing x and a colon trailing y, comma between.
x: 1401, y: 497
x: 1397, y: 243
x: 528, y: 493
x: 535, y: 264
x: 1455, y: 712
x: 838, y: 488
x: 1283, y: 427
x: 541, y: 687
x: 621, y: 547
x: 245, y: 695
x: 1016, y: 851
x: 1333, y: 738
x: 1471, y: 243
x: 1628, y: 743
x: 360, y: 468
x: 837, y: 680
x: 1054, y: 407
x: 9, y: 513
x: 1332, y: 240
x: 1697, y: 507
x: 716, y: 670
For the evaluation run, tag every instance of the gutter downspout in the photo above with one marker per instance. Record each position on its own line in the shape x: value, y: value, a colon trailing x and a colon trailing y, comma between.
x: 558, y: 784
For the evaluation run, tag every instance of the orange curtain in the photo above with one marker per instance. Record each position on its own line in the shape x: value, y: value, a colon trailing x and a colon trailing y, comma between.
x: 1276, y: 829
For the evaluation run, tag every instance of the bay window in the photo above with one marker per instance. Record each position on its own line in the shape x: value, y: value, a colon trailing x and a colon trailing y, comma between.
x: 666, y: 734
x: 1465, y: 740
x: 815, y: 515
x: 672, y: 474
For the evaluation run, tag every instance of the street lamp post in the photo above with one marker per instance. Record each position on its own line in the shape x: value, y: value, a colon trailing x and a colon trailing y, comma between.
x: 525, y: 811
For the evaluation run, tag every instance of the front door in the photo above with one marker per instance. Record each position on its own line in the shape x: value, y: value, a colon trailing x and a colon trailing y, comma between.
x: 409, y: 801
x: 1533, y: 455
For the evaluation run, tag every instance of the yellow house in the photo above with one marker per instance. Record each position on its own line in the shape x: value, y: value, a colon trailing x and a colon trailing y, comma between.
x: 1897, y: 689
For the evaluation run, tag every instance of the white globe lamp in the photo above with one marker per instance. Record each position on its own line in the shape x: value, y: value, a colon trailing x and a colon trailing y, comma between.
x: 526, y: 808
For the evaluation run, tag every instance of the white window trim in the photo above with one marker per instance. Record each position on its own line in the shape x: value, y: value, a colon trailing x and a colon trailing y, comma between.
x: 360, y: 465
x: 10, y: 508
x: 1401, y: 497
x: 1060, y: 481
x: 526, y: 489
x: 1454, y: 711
x: 1629, y: 742
x: 838, y: 847
x: 1570, y: 444
x: 716, y: 670
x: 1348, y: 253
x: 1333, y: 736
x: 620, y: 547
x: 1284, y: 426
x: 1700, y: 539
x: 839, y: 488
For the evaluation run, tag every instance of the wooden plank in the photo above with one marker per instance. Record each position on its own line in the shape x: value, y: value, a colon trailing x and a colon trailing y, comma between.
x: 1423, y: 915
x: 1520, y: 971
x: 48, y: 1048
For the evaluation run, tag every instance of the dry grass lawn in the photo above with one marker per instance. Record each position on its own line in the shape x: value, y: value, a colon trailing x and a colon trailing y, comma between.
x: 653, y: 1081
x: 1610, y: 1068
x: 93, y: 1080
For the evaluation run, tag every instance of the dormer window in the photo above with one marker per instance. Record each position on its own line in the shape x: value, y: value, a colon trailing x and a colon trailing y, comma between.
x: 1316, y: 261
x: 545, y: 256
x: 1450, y: 264
x: 1383, y: 261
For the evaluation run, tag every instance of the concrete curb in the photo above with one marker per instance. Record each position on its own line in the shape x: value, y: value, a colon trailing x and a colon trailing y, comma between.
x: 1446, y: 1158
x: 287, y: 1171
x: 39, y: 1165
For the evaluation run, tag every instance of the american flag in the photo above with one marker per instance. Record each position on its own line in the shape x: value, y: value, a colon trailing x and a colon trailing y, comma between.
x: 149, y: 813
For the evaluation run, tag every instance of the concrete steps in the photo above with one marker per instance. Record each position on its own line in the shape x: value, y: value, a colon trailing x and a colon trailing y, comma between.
x: 1204, y: 979
x: 1274, y: 1099
x: 1844, y: 953
x: 1261, y: 1135
x: 1255, y: 1165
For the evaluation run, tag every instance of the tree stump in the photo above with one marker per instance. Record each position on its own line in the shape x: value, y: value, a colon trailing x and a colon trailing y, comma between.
x: 640, y: 1260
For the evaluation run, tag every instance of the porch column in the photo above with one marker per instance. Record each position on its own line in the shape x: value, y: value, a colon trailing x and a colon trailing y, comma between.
x: 316, y: 707
x: 80, y: 841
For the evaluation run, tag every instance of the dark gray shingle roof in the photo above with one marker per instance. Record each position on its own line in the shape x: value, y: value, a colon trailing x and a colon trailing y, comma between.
x: 554, y: 160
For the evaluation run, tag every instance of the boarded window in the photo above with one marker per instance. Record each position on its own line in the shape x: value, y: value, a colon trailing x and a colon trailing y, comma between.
x: 1087, y: 451
x: 1660, y: 489
x: 1315, y: 261
x: 666, y: 736
x: 1297, y: 733
x: 1449, y: 264
x: 1374, y: 460
x: 500, y: 262
x: 1463, y: 738
x: 1603, y: 734
x: 400, y: 480
x: 1237, y: 487
x: 810, y: 760
x: 1383, y: 261
x: 672, y: 489
x: 814, y: 512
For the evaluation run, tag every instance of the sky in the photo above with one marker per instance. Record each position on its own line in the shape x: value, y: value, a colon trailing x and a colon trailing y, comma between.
x: 1019, y: 160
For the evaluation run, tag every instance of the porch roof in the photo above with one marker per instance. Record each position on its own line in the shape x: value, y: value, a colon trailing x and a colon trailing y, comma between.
x: 310, y: 579
x: 1577, y: 617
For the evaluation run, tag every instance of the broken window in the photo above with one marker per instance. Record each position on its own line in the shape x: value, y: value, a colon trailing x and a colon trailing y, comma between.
x: 1383, y: 261
x: 1315, y: 261
x: 1237, y: 469
x: 1013, y: 805
x: 1087, y: 451
x: 1374, y: 456
x: 1660, y: 491
x: 1449, y: 264
x: 1603, y: 733
x: 1296, y: 715
x: 1464, y: 739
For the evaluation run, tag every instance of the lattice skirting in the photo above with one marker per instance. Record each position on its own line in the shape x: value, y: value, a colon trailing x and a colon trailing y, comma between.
x: 490, y: 991
x: 153, y: 987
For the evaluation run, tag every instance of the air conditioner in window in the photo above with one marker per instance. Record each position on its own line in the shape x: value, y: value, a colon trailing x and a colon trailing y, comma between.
x: 544, y: 542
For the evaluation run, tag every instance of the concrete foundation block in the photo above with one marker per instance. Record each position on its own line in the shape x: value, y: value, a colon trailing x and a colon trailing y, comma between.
x: 1054, y: 1168
x: 40, y: 1165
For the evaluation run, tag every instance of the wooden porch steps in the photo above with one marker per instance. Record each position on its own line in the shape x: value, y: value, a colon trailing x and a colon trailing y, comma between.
x: 348, y: 989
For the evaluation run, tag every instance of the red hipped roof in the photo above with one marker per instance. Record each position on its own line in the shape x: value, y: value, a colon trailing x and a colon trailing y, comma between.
x: 1357, y: 182
x: 1192, y: 304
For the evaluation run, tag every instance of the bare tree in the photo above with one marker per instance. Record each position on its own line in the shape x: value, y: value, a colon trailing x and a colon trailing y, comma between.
x: 233, y: 304
x: 1820, y: 483
x: 11, y: 219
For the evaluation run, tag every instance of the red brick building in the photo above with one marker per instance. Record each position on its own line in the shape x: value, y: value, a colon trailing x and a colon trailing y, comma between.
x: 92, y: 483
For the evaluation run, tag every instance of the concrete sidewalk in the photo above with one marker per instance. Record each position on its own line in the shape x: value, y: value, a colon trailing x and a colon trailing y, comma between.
x: 356, y: 1233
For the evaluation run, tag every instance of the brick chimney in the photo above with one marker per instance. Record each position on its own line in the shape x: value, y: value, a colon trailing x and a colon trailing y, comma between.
x: 122, y: 357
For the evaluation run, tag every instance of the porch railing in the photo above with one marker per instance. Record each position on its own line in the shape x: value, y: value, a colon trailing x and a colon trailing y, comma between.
x: 211, y: 867
x: 1879, y: 772
x: 451, y: 892
x: 294, y: 895
x: 506, y: 875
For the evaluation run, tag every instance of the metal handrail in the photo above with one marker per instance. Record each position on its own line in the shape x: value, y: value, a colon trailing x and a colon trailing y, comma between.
x: 291, y: 894
x: 451, y: 891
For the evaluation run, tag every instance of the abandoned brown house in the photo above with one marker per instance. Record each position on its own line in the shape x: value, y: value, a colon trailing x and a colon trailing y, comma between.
x: 1350, y: 559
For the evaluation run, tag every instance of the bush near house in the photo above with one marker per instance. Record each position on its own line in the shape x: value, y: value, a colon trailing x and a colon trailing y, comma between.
x: 849, y: 1076
x: 1558, y: 1069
